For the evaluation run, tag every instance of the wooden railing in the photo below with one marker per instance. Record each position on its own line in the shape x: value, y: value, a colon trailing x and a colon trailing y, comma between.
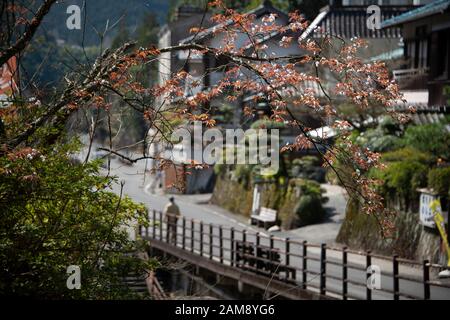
x: 334, y: 271
x: 403, y: 74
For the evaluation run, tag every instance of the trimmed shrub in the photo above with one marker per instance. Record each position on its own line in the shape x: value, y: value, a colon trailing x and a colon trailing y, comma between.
x: 267, y: 124
x: 439, y: 180
x: 429, y: 138
x: 405, y: 177
x: 308, y: 167
x: 220, y: 169
x: 408, y: 154
x: 377, y: 140
x: 309, y: 209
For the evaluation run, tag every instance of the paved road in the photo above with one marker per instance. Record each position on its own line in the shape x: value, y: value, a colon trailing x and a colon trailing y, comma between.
x: 137, y: 189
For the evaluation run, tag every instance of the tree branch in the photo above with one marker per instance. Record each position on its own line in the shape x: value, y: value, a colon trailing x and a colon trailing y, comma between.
x: 30, y: 30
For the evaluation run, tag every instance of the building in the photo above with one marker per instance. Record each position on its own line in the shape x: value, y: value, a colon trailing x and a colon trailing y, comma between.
x: 426, y: 33
x: 173, y: 32
x: 8, y: 81
x: 228, y: 114
x: 347, y: 19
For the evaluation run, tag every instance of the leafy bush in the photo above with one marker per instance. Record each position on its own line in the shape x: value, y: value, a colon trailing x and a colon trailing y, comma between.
x: 308, y: 167
x: 378, y: 141
x: 309, y: 187
x: 408, y: 154
x: 439, y: 180
x: 243, y: 173
x: 429, y: 138
x: 307, y: 161
x: 57, y: 213
x: 389, y: 126
x: 403, y: 177
x: 220, y: 169
x: 309, y: 209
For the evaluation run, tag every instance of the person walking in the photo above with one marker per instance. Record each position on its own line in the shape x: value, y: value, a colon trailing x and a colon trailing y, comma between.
x: 172, y: 213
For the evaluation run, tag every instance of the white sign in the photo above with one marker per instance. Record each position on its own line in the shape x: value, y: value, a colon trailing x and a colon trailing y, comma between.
x: 426, y: 214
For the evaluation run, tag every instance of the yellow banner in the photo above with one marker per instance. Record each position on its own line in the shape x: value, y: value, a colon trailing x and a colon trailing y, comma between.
x: 440, y: 223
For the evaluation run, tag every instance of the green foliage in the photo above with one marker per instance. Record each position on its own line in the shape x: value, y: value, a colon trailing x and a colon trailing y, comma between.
x: 439, y: 180
x: 308, y: 167
x: 403, y: 177
x: 308, y: 187
x: 309, y: 209
x: 243, y: 172
x: 388, y: 125
x: 408, y: 154
x: 220, y: 169
x: 56, y: 212
x: 58, y: 60
x: 429, y: 138
x: 267, y: 124
x: 307, y: 161
x: 378, y: 140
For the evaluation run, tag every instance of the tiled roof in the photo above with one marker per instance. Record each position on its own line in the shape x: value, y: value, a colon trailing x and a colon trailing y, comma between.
x: 435, y: 7
x: 351, y: 21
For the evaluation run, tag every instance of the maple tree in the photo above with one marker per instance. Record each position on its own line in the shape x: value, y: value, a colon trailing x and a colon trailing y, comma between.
x: 250, y: 68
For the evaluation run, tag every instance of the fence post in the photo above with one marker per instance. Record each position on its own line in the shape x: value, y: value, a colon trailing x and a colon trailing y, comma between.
x: 287, y: 253
x: 211, y: 230
x: 258, y: 242
x: 426, y: 279
x: 232, y: 246
x: 287, y: 249
x: 244, y: 236
x: 344, y: 273
x: 160, y: 226
x: 176, y: 232
x: 323, y: 268
x: 368, y: 264
x: 201, y: 238
x: 304, y: 263
x: 395, y: 277
x: 154, y: 224
x: 221, y: 243
x: 192, y: 235
x: 273, y: 266
x: 183, y: 241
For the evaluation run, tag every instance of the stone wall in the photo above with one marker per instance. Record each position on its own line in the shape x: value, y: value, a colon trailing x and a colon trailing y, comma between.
x: 237, y: 197
x: 410, y: 240
x: 232, y: 195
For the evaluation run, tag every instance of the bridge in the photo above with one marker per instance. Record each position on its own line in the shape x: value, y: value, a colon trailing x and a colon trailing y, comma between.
x: 284, y: 268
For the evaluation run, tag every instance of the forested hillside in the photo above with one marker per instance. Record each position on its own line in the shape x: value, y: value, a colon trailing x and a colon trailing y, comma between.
x: 97, y: 13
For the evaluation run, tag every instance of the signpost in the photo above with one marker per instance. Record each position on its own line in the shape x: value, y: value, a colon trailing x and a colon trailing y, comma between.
x: 439, y: 219
x: 426, y: 213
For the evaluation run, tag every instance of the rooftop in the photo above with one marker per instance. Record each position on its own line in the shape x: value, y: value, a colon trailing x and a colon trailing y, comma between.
x: 350, y: 21
x: 433, y: 8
